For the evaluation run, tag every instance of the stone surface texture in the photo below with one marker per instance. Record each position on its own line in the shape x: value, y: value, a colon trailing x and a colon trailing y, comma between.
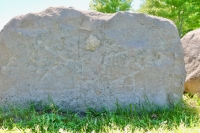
x: 191, y: 46
x: 87, y: 59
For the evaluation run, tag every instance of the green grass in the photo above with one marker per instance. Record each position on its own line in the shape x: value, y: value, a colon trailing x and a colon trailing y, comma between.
x: 50, y: 119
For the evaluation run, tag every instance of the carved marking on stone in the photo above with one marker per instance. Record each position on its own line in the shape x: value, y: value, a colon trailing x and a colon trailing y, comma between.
x: 92, y: 43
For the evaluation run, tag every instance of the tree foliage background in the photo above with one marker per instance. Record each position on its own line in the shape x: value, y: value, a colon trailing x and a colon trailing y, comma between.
x: 110, y: 6
x: 184, y: 13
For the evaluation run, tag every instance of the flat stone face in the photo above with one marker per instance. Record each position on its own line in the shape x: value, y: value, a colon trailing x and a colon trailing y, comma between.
x: 87, y: 59
x: 191, y: 46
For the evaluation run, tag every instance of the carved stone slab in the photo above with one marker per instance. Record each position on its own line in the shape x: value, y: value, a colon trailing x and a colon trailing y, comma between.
x: 87, y: 59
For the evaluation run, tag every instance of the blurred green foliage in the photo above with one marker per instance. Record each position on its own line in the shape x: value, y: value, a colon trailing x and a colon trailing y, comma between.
x: 184, y: 13
x: 110, y: 6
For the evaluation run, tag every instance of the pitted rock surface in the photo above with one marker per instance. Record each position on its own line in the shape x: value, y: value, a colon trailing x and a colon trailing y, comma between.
x: 191, y: 46
x: 87, y: 59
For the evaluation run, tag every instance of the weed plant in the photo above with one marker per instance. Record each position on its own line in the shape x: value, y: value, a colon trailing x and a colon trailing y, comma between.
x: 49, y: 118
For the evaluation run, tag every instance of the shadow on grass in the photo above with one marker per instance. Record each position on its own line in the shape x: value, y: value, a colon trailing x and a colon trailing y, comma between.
x: 41, y: 117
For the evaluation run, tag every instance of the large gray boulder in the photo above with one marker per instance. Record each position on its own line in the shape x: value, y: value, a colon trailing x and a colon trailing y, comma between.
x: 87, y: 59
x: 191, y: 46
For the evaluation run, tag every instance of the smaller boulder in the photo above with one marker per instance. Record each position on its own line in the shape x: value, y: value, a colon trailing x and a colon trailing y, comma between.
x: 191, y: 46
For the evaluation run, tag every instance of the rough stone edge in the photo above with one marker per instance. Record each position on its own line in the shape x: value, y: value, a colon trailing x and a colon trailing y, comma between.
x: 92, y: 14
